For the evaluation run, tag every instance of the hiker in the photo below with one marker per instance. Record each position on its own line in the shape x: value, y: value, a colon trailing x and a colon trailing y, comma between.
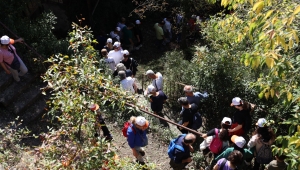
x: 137, y: 138
x: 157, y: 99
x: 168, y: 28
x: 235, y: 158
x: 138, y: 34
x: 116, y: 53
x: 238, y: 144
x: 242, y: 120
x: 157, y: 79
x: 129, y: 63
x: 115, y: 34
x: 278, y: 164
x: 160, y: 37
x: 221, y: 135
x: 187, y: 115
x: 182, y: 157
x: 261, y: 141
x: 128, y: 37
x: 100, y: 122
x: 121, y: 25
x: 9, y: 59
x: 121, y: 67
x: 108, y: 60
x: 194, y: 97
x: 127, y: 83
x: 109, y: 45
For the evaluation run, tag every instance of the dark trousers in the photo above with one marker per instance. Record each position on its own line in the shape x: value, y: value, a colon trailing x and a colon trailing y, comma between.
x: 177, y: 166
x: 104, y: 128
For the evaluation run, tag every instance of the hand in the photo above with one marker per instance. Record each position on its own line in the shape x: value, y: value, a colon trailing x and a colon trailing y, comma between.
x: 189, y: 159
x: 7, y: 72
x: 191, y: 148
x: 230, y: 130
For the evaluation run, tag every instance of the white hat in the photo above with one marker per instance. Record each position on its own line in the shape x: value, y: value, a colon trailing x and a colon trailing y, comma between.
x: 5, y: 40
x: 109, y: 40
x: 238, y: 140
x: 137, y: 22
x: 117, y: 44
x: 226, y: 120
x: 118, y: 28
x: 261, y: 122
x: 149, y: 72
x: 125, y: 52
x: 236, y: 101
x: 151, y: 88
x: 141, y: 121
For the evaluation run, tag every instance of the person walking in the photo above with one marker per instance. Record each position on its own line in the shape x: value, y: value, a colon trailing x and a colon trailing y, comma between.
x: 137, y: 137
x: 129, y: 63
x: 187, y: 114
x: 235, y: 158
x: 138, y: 34
x: 10, y: 60
x: 194, y: 97
x: 157, y: 79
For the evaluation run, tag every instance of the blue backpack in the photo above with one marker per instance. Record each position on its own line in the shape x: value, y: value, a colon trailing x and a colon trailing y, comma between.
x: 173, y: 146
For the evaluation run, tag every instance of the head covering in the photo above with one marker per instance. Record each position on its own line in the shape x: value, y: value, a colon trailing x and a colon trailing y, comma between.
x: 5, y: 40
x: 103, y: 50
x: 120, y: 67
x: 122, y: 74
x: 151, y: 88
x: 261, y: 122
x: 141, y: 121
x: 117, y: 44
x: 149, y: 72
x: 137, y: 22
x: 109, y: 40
x: 118, y: 29
x: 236, y: 101
x: 238, y: 141
x: 226, y: 120
x: 94, y: 107
x: 126, y: 52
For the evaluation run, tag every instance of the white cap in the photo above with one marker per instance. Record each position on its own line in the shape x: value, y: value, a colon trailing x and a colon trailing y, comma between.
x: 236, y: 101
x: 261, y: 122
x: 226, y: 120
x: 109, y: 40
x: 117, y: 44
x: 151, y: 88
x: 149, y: 72
x: 125, y: 52
x: 118, y: 28
x: 238, y: 140
x: 141, y: 121
x: 5, y: 40
x: 137, y: 22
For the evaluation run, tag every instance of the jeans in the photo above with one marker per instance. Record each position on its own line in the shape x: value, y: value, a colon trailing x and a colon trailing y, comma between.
x: 15, y: 73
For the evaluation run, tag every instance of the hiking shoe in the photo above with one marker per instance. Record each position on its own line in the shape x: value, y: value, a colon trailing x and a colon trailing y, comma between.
x: 142, y: 153
x: 109, y: 138
x: 141, y: 163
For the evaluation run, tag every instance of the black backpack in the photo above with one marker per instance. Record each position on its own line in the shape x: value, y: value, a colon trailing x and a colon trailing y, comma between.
x: 264, y: 154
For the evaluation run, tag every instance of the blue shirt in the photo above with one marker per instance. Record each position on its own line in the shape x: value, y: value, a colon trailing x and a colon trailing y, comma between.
x: 196, y: 98
x: 136, y: 137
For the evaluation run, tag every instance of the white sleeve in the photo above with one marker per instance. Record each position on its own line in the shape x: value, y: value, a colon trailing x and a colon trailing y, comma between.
x: 252, y: 141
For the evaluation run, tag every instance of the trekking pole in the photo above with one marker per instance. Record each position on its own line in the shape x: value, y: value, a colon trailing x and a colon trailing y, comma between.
x: 152, y: 114
x: 33, y: 50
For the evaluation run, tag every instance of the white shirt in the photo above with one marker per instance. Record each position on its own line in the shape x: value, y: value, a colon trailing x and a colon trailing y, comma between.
x: 116, y: 55
x: 158, y: 82
x: 111, y: 63
x: 127, y: 84
x: 114, y: 35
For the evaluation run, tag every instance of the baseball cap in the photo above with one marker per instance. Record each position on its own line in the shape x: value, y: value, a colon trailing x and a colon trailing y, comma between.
x: 118, y: 28
x: 141, y: 121
x: 261, y: 122
x: 236, y: 101
x: 116, y: 44
x: 137, y: 22
x: 5, y: 40
x: 109, y: 40
x: 151, y: 88
x: 238, y: 140
x: 149, y: 72
x: 94, y: 107
x: 226, y: 120
x: 126, y: 52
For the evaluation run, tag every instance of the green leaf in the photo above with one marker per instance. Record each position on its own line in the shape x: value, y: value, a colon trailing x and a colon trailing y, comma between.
x: 291, y: 129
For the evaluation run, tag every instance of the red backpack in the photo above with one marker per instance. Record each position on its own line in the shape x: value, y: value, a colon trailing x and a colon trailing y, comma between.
x: 216, y: 144
x: 125, y: 128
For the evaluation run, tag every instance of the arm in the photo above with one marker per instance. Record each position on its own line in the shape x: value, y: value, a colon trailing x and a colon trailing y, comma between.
x: 235, y: 129
x: 134, y: 87
x: 5, y: 68
x: 224, y: 154
x: 216, y: 167
x: 252, y: 141
x: 19, y: 40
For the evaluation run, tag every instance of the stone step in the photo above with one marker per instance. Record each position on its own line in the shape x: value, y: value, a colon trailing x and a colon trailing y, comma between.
x: 13, y: 91
x: 26, y: 98
x: 5, y: 80
x: 35, y: 110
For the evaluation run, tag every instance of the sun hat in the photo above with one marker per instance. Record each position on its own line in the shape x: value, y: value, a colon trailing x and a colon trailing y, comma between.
x: 236, y: 101
x: 137, y: 22
x: 141, y: 121
x: 5, y: 40
x: 109, y: 40
x: 151, y: 88
x: 125, y: 52
x: 261, y: 122
x: 118, y: 28
x: 149, y: 72
x: 94, y: 107
x: 116, y: 44
x: 226, y: 120
x: 238, y: 141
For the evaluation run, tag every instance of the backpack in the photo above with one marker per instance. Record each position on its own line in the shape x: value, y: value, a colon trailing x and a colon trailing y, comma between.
x: 216, y: 144
x: 223, y: 164
x: 133, y: 63
x: 173, y: 146
x: 264, y: 155
x: 125, y: 128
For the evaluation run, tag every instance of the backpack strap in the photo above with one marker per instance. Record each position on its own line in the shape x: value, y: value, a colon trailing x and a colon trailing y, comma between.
x: 223, y: 164
x: 216, y: 132
x: 178, y: 146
